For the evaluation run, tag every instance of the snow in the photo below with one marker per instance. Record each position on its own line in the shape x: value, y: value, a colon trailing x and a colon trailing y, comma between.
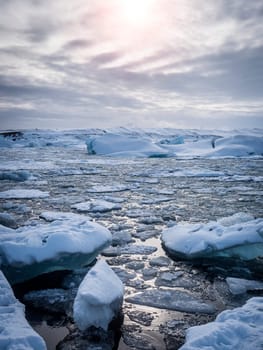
x: 61, y: 244
x: 15, y: 332
x: 240, y: 328
x: 238, y: 236
x: 96, y: 205
x: 23, y: 194
x: 99, y: 298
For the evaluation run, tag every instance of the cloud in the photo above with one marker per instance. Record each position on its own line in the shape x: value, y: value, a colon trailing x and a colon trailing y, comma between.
x: 184, y: 64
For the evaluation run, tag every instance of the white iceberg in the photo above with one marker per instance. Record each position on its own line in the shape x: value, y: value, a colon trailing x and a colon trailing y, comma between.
x: 15, y: 332
x: 238, y: 146
x: 240, y: 328
x: 238, y: 236
x: 61, y: 244
x: 99, y: 297
x: 124, y: 146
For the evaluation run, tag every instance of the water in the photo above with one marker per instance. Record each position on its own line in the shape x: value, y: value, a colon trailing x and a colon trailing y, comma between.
x: 160, y: 192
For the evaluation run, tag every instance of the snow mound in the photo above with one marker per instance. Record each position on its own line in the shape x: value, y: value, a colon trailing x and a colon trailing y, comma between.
x: 124, y: 145
x: 238, y: 236
x: 61, y: 244
x: 99, y: 297
x: 240, y: 328
x: 15, y: 332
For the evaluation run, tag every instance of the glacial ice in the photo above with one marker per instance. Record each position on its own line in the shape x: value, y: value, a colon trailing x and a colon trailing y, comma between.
x: 61, y: 244
x: 124, y: 146
x: 15, y: 332
x: 172, y: 300
x: 240, y: 328
x: 99, y: 297
x: 238, y: 236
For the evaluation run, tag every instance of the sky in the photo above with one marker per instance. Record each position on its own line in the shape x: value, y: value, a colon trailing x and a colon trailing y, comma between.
x: 134, y: 63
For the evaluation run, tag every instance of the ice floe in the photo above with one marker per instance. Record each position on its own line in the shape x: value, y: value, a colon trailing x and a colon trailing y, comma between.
x: 241, y: 285
x: 15, y: 332
x: 172, y: 300
x: 23, y: 194
x: 99, y: 297
x: 240, y: 328
x: 238, y: 236
x: 96, y: 205
x: 45, y: 247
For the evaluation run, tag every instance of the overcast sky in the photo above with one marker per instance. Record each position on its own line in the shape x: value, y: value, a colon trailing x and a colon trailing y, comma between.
x: 137, y: 63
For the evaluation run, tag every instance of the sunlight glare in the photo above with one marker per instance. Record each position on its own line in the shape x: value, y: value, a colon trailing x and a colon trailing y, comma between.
x: 137, y: 11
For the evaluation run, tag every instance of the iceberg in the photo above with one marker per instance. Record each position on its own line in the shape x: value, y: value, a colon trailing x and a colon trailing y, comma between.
x: 62, y: 244
x: 239, y: 236
x: 15, y: 332
x: 240, y: 328
x: 124, y: 146
x: 99, y: 298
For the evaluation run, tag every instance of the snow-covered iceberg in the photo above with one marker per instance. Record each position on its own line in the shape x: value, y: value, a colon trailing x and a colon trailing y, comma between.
x: 124, y: 146
x: 99, y: 297
x: 240, y: 328
x: 15, y: 332
x: 235, y: 145
x: 62, y: 244
x: 239, y: 236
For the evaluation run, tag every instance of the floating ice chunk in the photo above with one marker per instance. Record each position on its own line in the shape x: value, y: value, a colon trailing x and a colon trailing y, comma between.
x: 171, y: 300
x: 59, y: 215
x: 240, y: 328
x: 15, y: 175
x: 15, y: 332
x: 61, y: 244
x: 121, y: 238
x: 99, y: 297
x: 23, y: 194
x: 107, y: 188
x: 124, y: 146
x: 96, y: 205
x: 239, y: 236
x: 240, y: 285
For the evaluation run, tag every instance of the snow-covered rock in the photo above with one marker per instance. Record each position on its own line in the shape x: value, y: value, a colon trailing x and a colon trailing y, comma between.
x: 15, y: 332
x: 61, y: 244
x: 124, y: 146
x: 240, y: 328
x: 99, y: 297
x: 238, y: 236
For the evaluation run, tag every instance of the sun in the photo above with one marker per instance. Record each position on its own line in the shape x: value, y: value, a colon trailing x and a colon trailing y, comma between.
x: 136, y: 12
